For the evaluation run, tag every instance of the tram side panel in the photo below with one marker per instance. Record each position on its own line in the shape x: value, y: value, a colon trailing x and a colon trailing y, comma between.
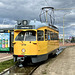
x: 53, y: 46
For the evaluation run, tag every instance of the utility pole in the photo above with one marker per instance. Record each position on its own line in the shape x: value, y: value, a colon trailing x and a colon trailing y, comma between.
x: 63, y: 26
x: 63, y: 29
x: 64, y: 17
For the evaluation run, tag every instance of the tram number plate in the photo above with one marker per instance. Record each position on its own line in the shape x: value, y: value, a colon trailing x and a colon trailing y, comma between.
x: 23, y: 44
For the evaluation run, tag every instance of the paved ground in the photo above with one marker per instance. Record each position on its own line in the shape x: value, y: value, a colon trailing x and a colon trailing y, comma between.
x: 5, y: 56
x: 63, y: 64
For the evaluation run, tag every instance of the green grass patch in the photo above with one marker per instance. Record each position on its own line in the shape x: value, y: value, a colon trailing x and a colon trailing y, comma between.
x: 6, y: 64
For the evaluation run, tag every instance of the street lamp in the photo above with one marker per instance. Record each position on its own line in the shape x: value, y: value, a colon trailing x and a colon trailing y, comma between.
x: 63, y: 29
x: 63, y: 26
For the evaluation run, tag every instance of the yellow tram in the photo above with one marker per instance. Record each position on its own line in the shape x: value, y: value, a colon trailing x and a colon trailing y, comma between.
x: 34, y: 41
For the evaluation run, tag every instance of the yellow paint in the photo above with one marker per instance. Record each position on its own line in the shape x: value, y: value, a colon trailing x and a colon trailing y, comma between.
x: 34, y: 47
x: 30, y: 48
x: 8, y: 31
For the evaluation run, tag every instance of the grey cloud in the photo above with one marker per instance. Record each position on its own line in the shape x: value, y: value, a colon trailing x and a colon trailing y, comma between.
x: 30, y: 9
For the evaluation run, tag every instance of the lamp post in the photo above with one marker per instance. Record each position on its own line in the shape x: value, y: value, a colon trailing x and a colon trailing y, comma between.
x: 63, y: 29
x: 63, y: 26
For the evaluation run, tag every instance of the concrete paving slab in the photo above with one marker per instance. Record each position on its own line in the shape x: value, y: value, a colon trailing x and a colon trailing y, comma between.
x: 5, y: 57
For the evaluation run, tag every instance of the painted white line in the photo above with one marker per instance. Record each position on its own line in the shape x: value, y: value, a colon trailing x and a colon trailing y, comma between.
x: 6, y: 57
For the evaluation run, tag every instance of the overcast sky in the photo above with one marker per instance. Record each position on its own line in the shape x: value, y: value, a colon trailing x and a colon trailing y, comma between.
x: 11, y: 10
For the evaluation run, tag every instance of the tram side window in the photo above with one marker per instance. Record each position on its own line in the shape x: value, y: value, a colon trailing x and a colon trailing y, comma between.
x: 40, y: 35
x: 56, y: 36
x: 51, y: 34
x: 46, y: 35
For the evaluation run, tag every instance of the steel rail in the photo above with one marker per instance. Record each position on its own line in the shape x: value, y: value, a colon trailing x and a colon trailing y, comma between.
x: 33, y: 70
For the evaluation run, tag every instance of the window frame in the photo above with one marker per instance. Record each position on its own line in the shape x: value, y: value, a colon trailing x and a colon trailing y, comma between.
x: 40, y: 35
x: 24, y: 35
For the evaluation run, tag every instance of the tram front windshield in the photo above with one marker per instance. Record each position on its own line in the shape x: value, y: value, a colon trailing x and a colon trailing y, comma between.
x: 26, y: 36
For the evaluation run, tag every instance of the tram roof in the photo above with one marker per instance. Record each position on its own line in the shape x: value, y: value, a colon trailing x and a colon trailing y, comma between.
x: 35, y: 25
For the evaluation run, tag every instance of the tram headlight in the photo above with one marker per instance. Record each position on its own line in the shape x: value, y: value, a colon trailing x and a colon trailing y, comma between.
x: 24, y: 22
x: 23, y: 50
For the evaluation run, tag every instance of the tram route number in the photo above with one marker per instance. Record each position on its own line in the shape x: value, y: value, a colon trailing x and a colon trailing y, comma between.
x: 23, y: 44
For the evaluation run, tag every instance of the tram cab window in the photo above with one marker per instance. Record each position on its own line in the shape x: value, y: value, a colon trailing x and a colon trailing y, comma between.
x: 20, y: 36
x: 26, y: 36
x: 40, y: 35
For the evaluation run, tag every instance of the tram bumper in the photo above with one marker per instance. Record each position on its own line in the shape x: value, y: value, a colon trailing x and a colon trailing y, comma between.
x: 20, y: 58
x: 30, y: 58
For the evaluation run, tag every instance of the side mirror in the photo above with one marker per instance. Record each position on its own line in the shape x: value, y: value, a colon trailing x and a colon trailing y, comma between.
x: 14, y: 42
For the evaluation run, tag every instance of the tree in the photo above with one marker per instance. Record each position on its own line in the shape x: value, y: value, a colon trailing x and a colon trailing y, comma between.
x: 73, y: 40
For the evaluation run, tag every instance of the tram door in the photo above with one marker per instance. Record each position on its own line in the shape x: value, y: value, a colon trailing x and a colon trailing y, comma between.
x: 41, y: 43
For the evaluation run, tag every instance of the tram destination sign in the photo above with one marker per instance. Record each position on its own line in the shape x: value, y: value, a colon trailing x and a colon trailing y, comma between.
x: 25, y: 27
x: 4, y: 41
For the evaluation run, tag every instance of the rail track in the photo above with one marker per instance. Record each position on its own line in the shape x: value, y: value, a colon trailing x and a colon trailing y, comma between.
x: 33, y: 70
x: 14, y: 70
